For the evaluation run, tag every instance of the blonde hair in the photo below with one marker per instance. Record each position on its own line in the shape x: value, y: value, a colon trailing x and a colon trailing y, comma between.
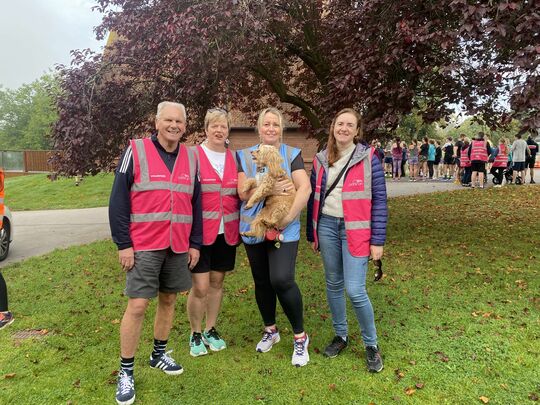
x: 271, y: 110
x: 215, y: 114
x: 333, y: 153
x: 164, y: 104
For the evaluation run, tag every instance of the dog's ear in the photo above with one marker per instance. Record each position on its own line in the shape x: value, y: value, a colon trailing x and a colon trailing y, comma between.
x: 274, y: 162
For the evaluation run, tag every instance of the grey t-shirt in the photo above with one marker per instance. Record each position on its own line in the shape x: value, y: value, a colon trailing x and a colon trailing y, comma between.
x: 519, y: 150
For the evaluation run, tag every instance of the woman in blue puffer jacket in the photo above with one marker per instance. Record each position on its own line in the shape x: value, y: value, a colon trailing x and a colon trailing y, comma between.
x: 346, y: 221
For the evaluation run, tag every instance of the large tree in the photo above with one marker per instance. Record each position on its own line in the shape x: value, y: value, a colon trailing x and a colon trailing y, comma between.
x: 379, y: 56
x: 27, y: 114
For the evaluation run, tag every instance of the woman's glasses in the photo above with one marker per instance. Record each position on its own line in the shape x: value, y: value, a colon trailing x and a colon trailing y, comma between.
x: 378, y: 269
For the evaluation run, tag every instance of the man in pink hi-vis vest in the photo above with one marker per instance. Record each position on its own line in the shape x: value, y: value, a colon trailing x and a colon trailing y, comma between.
x: 155, y: 215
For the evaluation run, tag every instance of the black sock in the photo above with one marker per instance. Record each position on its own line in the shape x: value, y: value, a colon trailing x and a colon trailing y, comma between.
x: 159, y: 347
x: 127, y: 364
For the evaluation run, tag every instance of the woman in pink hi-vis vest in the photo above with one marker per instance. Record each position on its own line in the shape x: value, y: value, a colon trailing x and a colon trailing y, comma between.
x: 346, y: 221
x: 221, y: 214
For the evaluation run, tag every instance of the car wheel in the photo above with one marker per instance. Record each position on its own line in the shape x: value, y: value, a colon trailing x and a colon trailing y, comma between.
x: 4, y: 240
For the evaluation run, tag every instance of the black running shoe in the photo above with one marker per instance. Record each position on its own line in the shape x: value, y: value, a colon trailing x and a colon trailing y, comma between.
x: 374, y: 360
x: 335, y: 347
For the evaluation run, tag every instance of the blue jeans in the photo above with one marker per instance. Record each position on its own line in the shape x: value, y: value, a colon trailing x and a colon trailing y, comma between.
x: 345, y: 272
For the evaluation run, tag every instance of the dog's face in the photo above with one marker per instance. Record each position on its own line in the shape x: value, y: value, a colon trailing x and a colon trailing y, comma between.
x: 266, y: 155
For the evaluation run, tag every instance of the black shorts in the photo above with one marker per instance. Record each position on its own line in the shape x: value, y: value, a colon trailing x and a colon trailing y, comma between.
x: 448, y: 160
x: 478, y: 166
x: 519, y: 166
x: 530, y: 162
x: 217, y: 257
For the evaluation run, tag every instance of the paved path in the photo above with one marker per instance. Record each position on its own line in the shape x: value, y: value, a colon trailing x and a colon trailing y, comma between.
x: 40, y: 232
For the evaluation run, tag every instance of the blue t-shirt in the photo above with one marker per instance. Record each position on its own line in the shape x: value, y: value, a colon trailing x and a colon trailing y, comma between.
x: 431, y: 152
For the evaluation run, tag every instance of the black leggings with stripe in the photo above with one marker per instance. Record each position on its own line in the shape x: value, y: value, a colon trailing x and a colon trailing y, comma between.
x: 273, y: 272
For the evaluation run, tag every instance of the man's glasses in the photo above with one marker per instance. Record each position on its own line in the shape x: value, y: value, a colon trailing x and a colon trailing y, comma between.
x: 378, y: 269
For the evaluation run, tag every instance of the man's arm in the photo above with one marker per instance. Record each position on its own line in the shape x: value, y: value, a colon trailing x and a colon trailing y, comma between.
x: 120, y: 210
x: 120, y: 201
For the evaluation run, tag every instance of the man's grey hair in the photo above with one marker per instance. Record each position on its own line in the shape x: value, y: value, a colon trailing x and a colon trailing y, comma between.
x: 164, y: 104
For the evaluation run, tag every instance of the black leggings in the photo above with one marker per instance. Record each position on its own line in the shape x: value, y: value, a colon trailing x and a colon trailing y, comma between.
x: 430, y: 168
x: 3, y: 295
x: 273, y: 272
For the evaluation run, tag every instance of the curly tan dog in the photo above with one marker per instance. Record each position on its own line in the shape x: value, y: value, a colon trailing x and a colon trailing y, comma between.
x: 276, y: 206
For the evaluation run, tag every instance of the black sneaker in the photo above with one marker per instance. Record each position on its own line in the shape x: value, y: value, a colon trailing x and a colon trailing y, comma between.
x: 335, y: 347
x: 374, y: 360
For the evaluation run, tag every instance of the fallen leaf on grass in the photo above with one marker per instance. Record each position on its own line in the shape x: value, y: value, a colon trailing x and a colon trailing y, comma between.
x: 115, y: 321
x: 409, y: 391
x: 259, y: 397
x: 77, y: 384
x: 332, y: 387
x: 533, y: 396
x: 442, y: 357
x: 399, y: 373
x: 419, y: 385
x: 412, y: 363
x: 10, y: 375
x: 114, y: 373
x: 485, y: 400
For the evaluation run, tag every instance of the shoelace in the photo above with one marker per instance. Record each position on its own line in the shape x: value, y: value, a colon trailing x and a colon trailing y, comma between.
x: 299, y: 347
x: 165, y: 358
x: 213, y: 333
x: 371, y: 354
x: 267, y: 336
x: 126, y: 383
x: 197, y: 339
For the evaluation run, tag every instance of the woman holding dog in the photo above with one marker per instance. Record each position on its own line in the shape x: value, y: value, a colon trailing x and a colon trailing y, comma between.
x: 346, y: 221
x: 273, y: 264
x: 220, y: 204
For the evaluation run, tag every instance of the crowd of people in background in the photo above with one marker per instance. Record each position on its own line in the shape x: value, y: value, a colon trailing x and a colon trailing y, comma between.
x: 465, y: 161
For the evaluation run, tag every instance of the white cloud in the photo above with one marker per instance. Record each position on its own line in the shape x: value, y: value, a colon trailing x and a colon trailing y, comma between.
x: 36, y: 35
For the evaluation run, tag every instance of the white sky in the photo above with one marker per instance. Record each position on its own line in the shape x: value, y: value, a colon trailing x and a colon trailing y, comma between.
x: 37, y: 34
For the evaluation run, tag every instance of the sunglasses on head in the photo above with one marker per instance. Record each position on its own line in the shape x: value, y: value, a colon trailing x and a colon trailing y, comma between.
x: 217, y: 109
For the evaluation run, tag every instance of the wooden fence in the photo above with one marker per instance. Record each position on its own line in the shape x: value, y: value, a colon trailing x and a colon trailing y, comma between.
x: 25, y: 162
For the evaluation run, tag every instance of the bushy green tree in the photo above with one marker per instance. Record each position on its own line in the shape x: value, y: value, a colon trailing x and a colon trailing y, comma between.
x: 471, y: 126
x: 27, y: 114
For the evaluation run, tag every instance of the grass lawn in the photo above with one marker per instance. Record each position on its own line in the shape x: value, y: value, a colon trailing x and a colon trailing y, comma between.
x: 37, y: 192
x: 457, y: 316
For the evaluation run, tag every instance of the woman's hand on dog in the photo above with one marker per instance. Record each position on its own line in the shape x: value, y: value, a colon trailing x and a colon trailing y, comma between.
x: 283, y: 187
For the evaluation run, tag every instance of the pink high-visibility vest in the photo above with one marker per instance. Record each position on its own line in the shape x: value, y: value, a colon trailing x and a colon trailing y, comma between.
x: 501, y: 160
x: 356, y: 202
x: 464, y: 160
x: 161, y: 209
x: 479, y: 151
x: 219, y: 199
